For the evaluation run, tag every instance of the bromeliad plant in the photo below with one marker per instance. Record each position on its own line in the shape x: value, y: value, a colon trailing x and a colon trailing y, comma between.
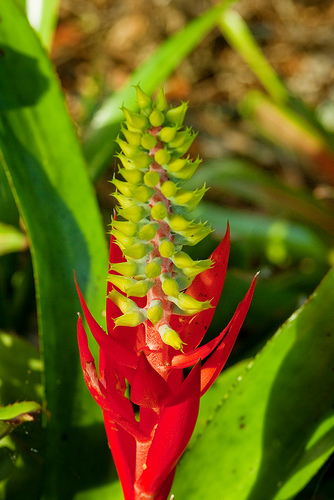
x: 159, y: 306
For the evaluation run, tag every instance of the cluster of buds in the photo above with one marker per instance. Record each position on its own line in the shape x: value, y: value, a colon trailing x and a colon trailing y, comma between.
x: 160, y: 303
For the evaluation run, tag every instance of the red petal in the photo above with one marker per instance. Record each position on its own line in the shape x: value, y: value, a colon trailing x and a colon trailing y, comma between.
x: 123, y: 449
x: 207, y: 285
x: 106, y: 342
x: 172, y: 435
x: 214, y: 365
x: 119, y: 408
x: 148, y: 388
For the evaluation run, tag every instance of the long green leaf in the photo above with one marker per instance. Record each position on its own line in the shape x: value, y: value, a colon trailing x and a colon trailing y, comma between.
x: 42, y: 16
x: 43, y: 161
x: 276, y: 428
x: 99, y: 142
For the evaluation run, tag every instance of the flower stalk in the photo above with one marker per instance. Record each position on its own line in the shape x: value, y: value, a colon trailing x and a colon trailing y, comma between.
x: 160, y: 303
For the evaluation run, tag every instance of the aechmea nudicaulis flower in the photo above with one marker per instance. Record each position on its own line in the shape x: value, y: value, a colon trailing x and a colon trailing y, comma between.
x: 160, y: 303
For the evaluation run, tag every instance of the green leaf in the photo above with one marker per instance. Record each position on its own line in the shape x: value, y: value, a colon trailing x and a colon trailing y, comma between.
x: 11, y: 240
x: 276, y: 428
x: 99, y: 142
x: 42, y: 16
x: 43, y: 161
x: 16, y: 414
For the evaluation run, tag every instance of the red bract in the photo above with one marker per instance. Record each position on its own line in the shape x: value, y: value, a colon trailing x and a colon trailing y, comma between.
x: 146, y: 448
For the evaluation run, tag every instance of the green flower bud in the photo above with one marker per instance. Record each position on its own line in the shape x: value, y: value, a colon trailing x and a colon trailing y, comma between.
x: 155, y: 311
x: 139, y: 288
x: 187, y: 171
x: 138, y: 250
x: 195, y: 233
x: 166, y: 248
x: 180, y: 138
x: 176, y: 115
x: 131, y: 318
x: 148, y: 231
x: 126, y: 227
x: 199, y: 267
x: 133, y: 138
x: 144, y: 101
x: 169, y: 286
x: 123, y: 240
x: 128, y: 269
x: 148, y: 141
x: 181, y: 150
x: 160, y: 102
x: 176, y: 165
x: 135, y: 213
x: 158, y: 211
x: 135, y: 120
x: 121, y: 282
x: 167, y: 134
x: 169, y: 189
x: 126, y: 163
x: 156, y: 118
x: 153, y: 269
x: 133, y: 176
x: 170, y: 337
x: 162, y: 157
x: 151, y: 178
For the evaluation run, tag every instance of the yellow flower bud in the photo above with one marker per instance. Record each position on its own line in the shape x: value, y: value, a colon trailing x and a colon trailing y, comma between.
x: 144, y: 101
x: 143, y: 193
x: 182, y: 259
x: 167, y: 134
x: 162, y: 157
x: 177, y: 222
x: 135, y: 120
x: 170, y: 337
x: 151, y: 178
x: 128, y: 269
x: 169, y: 189
x: 131, y: 319
x: 125, y: 304
x: 156, y: 118
x: 135, y: 213
x: 176, y: 115
x: 133, y: 176
x: 189, y: 304
x: 142, y: 160
x: 148, y: 141
x: 128, y: 150
x: 133, y: 138
x: 139, y: 288
x: 158, y: 211
x: 166, y: 248
x: 160, y: 102
x: 155, y: 311
x: 126, y: 227
x: 148, y: 231
x: 180, y: 138
x: 138, y: 250
x: 169, y: 286
x: 153, y: 269
x: 123, y: 187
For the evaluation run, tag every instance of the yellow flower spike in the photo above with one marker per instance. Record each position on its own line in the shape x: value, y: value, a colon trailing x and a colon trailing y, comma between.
x: 169, y: 189
x: 156, y: 118
x: 151, y: 178
x: 176, y: 116
x: 166, y: 248
x: 158, y: 211
x: 131, y: 319
x: 171, y: 337
x: 132, y: 176
x: 170, y: 287
x: 135, y: 120
x: 148, y: 141
x: 137, y: 250
x: 148, y: 231
x: 128, y: 269
x: 153, y: 269
x: 144, y: 101
x: 162, y: 157
x: 155, y: 312
x: 160, y: 102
